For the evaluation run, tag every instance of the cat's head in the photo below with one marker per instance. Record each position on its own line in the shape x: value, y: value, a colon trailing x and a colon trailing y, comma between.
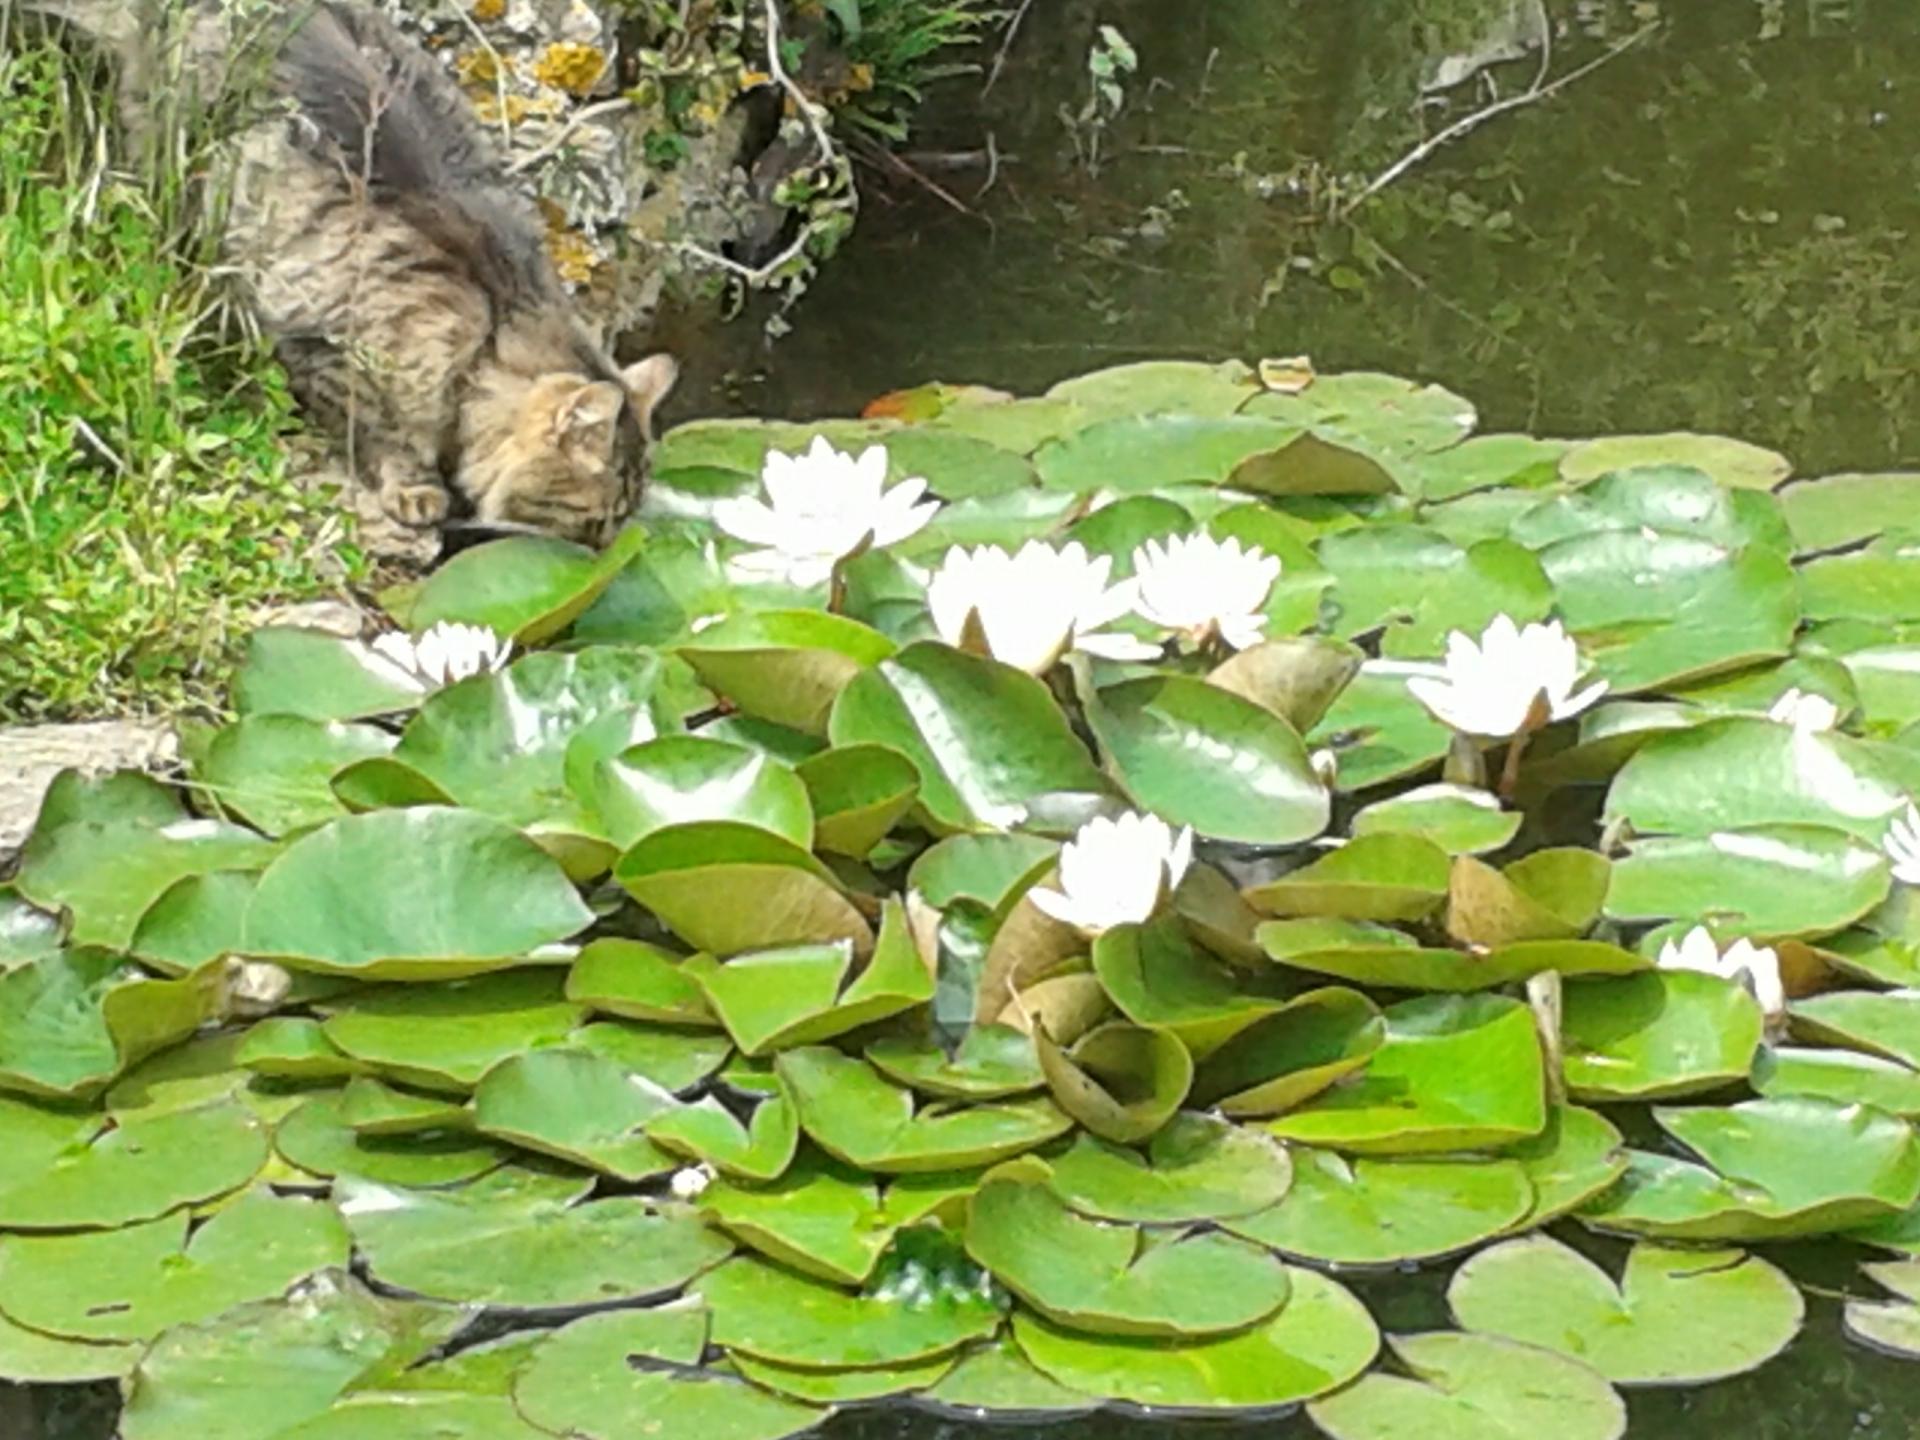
x: 563, y: 453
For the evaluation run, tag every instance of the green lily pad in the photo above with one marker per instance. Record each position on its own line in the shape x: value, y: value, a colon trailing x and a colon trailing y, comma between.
x: 28, y: 1357
x: 1892, y: 1327
x: 637, y: 981
x: 99, y: 1176
x: 841, y: 1387
x: 1658, y: 1035
x: 996, y: 1379
x: 671, y: 1058
x: 727, y: 888
x: 992, y: 871
x: 132, y: 1283
x: 1741, y: 772
x: 1474, y: 1387
x: 1106, y: 1279
x: 818, y: 1217
x: 1419, y: 585
x: 526, y: 1240
x: 708, y: 1132
x: 1378, y: 730
x: 1773, y: 880
x: 317, y: 677
x: 293, y: 1357
x: 1196, y: 1167
x: 1677, y: 1317
x: 1159, y: 978
x: 1457, y: 1072
x: 1578, y: 1156
x: 585, y: 1382
x: 575, y: 1106
x: 202, y: 1069
x: 787, y: 666
x: 1838, y: 510
x: 1881, y: 1024
x: 774, y: 1314
x: 858, y: 792
x: 777, y: 999
x: 317, y: 1138
x: 1732, y: 463
x: 1287, y: 1058
x: 294, y: 1047
x: 384, y: 783
x: 445, y: 1037
x: 1838, y: 1075
x: 1160, y: 387
x: 1508, y: 463
x: 1195, y: 754
x: 71, y: 1021
x: 1137, y: 453
x: 197, y: 919
x: 1389, y: 414
x: 526, y: 587
x: 105, y: 873
x: 1875, y: 584
x: 986, y: 739
x: 1121, y: 1081
x: 379, y: 1416
x: 373, y: 1108
x: 1320, y: 1340
x: 397, y: 894
x: 1219, y: 917
x: 681, y: 778
x: 1550, y: 895
x: 992, y: 1062
x: 1676, y: 498
x: 1375, y: 877
x: 851, y: 1112
x: 1382, y: 1212
x: 27, y: 933
x: 1297, y: 678
x: 1458, y: 818
x: 273, y: 770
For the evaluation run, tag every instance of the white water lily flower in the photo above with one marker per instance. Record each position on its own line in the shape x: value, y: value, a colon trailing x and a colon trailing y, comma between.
x: 445, y: 652
x: 1755, y: 966
x: 1116, y: 872
x: 1902, y: 845
x: 1200, y: 586
x: 1492, y: 686
x: 1804, y: 712
x: 820, y: 507
x: 1035, y: 605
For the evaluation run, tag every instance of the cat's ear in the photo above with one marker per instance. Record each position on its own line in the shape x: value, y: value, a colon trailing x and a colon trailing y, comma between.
x: 587, y: 414
x: 648, y: 381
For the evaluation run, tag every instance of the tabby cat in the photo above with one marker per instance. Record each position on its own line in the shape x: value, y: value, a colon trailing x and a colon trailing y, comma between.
x: 406, y: 286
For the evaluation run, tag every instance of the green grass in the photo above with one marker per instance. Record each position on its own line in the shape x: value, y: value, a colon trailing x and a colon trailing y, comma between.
x: 905, y: 45
x: 146, y: 511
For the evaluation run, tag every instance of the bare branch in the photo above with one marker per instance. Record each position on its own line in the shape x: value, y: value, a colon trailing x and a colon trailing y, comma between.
x: 1007, y: 37
x: 777, y: 68
x: 585, y: 115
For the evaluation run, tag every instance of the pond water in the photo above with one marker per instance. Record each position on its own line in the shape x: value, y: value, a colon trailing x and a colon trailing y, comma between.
x: 1714, y: 229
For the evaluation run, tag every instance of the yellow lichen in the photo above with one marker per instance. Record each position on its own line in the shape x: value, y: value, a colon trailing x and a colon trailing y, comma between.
x: 481, y: 67
x: 572, y: 67
x: 487, y: 107
x: 487, y: 11
x: 573, y: 256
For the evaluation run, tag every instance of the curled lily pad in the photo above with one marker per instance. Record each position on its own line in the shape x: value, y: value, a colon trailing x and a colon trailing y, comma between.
x: 674, y: 1059
x: 1665, y: 1033
x: 527, y: 1240
x: 132, y: 1283
x: 294, y: 1047
x: 1287, y: 1058
x: 1121, y: 1081
x: 369, y: 1107
x: 787, y: 666
x: 418, y: 893
x: 728, y: 887
x: 1456, y: 1072
x: 1195, y: 754
x: 1881, y: 1024
x: 850, y: 1111
x: 992, y: 1062
x: 1381, y: 1212
x: 608, y: 1376
x: 1376, y: 877
x: 575, y: 1106
x: 858, y: 793
x: 1550, y: 895
x: 1108, y: 1279
x: 316, y: 1138
x: 1159, y: 978
x: 1320, y: 1339
x: 638, y: 981
x: 1891, y: 1326
x: 681, y: 778
x: 818, y: 1217
x: 106, y: 1175
x: 1677, y: 1317
x: 1378, y: 731
x: 273, y: 770
x: 381, y: 1416
x: 987, y: 740
x: 445, y: 1037
x: 708, y: 1132
x: 1298, y: 678
x: 1778, y: 880
x: 196, y: 920
x: 841, y: 1387
x: 1475, y: 1387
x: 1574, y: 1159
x: 1460, y: 819
x: 761, y: 1310
x: 992, y: 871
x: 1196, y: 1167
x: 71, y: 1021
x: 777, y: 999
x: 1840, y: 1075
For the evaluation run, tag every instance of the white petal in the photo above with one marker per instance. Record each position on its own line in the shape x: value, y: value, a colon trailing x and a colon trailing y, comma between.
x: 1117, y: 645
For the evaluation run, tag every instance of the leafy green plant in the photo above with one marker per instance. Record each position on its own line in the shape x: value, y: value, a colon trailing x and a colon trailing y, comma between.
x: 846, y: 958
x: 900, y: 47
x: 148, y: 513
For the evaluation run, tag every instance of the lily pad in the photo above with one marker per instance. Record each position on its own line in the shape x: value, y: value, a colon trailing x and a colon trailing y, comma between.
x: 196, y: 920
x: 1298, y: 678
x: 1677, y: 1317
x: 858, y: 792
x: 526, y: 587
x: 1659, y: 1035
x: 851, y: 1112
x: 1159, y: 978
x: 318, y: 677
x: 1419, y: 585
x: 1732, y: 463
x: 1160, y: 387
x: 1839, y: 1075
x: 1460, y: 819
x: 1320, y: 1340
x: 1890, y: 1326
x: 1378, y: 731
x: 294, y: 1047
x: 526, y: 1240
x: 1457, y: 1072
x: 1838, y: 510
x: 1375, y: 877
x: 130, y: 1284
x: 316, y: 1138
x: 1195, y: 754
x: 992, y: 1062
x: 996, y: 1379
x: 787, y: 666
x: 1107, y: 1279
x: 637, y: 981
x: 841, y: 1387
x: 445, y: 1037
x: 1383, y: 1212
x: 273, y: 770
x: 1774, y: 880
x: 1196, y: 1167
x: 1136, y: 453
x: 709, y: 1133
x: 28, y: 1357
x: 1881, y: 1024
x: 1550, y: 895
x: 575, y: 1106
x: 424, y: 893
x: 1474, y: 1387
x: 1574, y: 1159
x: 381, y: 1416
x: 681, y: 778
x: 993, y: 871
x: 818, y: 1217
x: 986, y: 739
x: 1121, y: 1081
x: 372, y: 1108
x: 1286, y: 1059
x: 71, y: 1021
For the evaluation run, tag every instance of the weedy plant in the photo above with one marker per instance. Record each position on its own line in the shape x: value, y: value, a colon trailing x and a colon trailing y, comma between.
x: 999, y: 903
x: 147, y: 510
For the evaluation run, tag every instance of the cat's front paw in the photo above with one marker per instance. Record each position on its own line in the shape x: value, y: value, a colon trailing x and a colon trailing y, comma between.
x: 416, y: 505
